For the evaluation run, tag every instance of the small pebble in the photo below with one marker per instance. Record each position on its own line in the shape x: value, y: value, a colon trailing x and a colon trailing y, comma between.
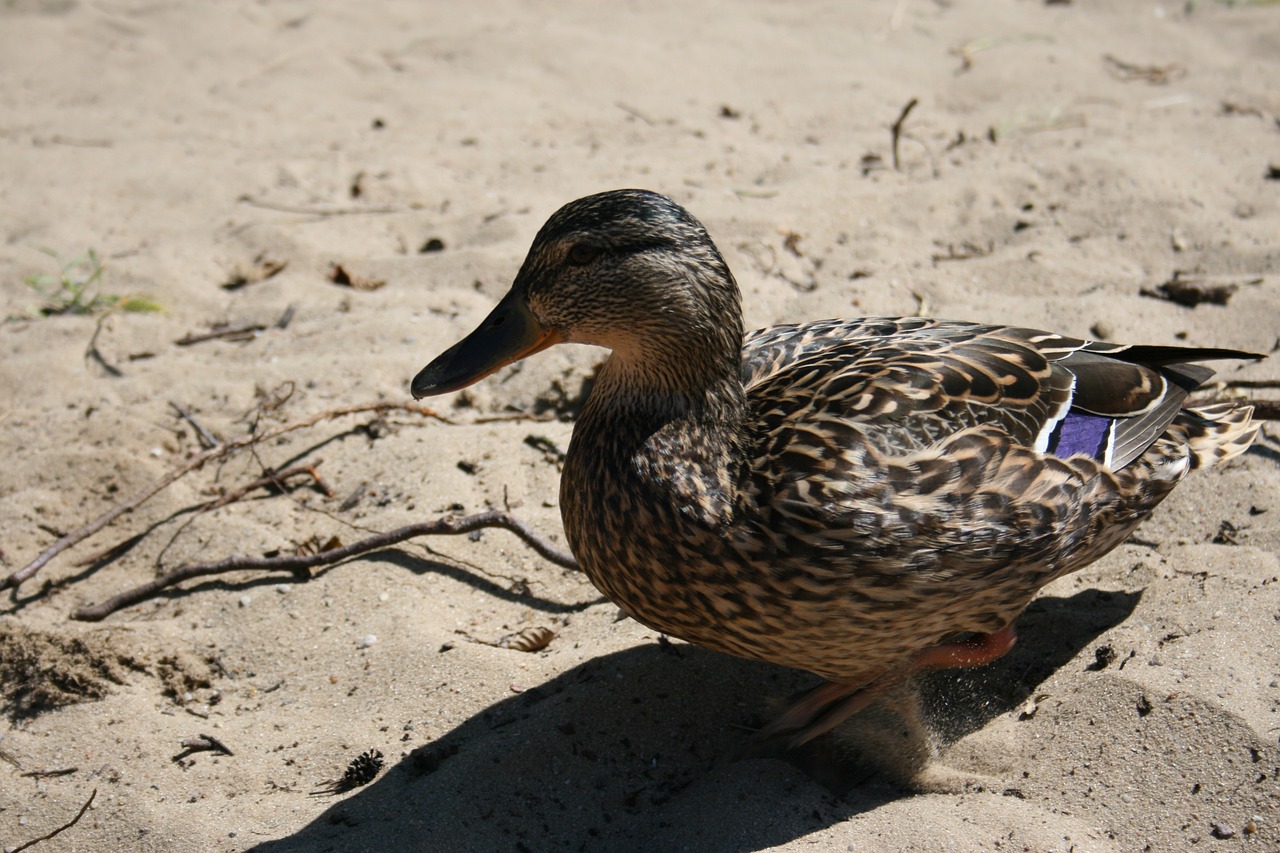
x: 366, y: 641
x: 1102, y: 330
x: 382, y: 596
x: 1250, y: 828
x: 245, y: 601
x: 1222, y: 831
x: 1127, y: 798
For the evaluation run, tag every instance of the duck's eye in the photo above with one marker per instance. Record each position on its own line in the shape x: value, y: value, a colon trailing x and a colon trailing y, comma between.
x: 581, y: 254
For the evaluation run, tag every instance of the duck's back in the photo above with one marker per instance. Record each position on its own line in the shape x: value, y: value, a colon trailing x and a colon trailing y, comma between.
x: 907, y: 383
x: 943, y: 472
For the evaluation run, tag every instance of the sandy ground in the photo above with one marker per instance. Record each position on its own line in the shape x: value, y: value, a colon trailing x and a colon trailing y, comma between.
x: 1062, y: 158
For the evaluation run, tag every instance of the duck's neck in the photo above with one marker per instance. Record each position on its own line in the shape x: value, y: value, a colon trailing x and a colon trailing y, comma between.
x: 675, y: 428
x: 665, y: 384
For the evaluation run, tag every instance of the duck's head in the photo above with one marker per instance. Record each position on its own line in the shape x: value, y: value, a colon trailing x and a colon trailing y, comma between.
x: 630, y: 270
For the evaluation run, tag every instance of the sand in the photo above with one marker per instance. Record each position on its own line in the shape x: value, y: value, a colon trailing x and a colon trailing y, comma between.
x: 1062, y: 158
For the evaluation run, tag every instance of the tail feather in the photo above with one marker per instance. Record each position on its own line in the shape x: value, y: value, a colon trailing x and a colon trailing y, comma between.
x: 1215, y: 432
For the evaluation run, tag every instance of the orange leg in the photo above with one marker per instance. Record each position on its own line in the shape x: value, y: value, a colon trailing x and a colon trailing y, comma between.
x: 822, y: 709
x: 832, y: 702
x: 975, y: 651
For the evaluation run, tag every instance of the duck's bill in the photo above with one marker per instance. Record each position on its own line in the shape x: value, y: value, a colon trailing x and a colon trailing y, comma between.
x: 508, y: 334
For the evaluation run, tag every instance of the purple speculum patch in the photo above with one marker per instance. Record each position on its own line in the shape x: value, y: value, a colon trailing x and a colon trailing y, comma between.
x: 1080, y: 432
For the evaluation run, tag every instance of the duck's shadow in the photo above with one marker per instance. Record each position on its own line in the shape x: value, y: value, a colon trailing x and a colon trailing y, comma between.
x: 634, y: 750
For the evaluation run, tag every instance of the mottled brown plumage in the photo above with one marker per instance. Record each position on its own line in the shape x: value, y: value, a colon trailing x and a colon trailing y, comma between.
x: 846, y: 497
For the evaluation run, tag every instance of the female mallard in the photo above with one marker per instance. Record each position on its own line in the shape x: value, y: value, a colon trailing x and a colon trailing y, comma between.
x: 847, y: 497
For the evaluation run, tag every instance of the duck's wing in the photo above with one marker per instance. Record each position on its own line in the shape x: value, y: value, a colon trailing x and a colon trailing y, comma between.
x: 907, y: 383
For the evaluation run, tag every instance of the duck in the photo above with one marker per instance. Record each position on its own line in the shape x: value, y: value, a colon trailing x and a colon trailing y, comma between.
x: 862, y: 499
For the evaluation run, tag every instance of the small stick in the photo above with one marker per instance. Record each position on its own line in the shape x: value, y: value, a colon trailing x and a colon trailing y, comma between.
x: 315, y: 476
x: 207, y: 439
x: 1265, y: 410
x: 286, y: 316
x: 49, y: 774
x: 278, y: 479
x: 897, y: 128
x: 353, y: 498
x: 203, y: 743
x: 1251, y: 383
x: 246, y: 331
x: 514, y: 417
x: 271, y: 478
x: 65, y: 826
x: 78, y: 535
x: 92, y: 353
x: 299, y: 565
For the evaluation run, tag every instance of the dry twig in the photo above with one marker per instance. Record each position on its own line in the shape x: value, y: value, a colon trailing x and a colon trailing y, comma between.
x: 78, y: 535
x: 300, y: 565
x: 897, y: 129
x: 207, y: 438
x: 49, y: 774
x: 271, y: 479
x: 234, y: 333
x: 33, y: 842
x: 1228, y: 392
x: 92, y: 353
x: 1250, y: 383
x: 203, y: 743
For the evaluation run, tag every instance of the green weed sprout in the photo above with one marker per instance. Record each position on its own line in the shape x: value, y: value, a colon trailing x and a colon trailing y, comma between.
x: 73, y: 289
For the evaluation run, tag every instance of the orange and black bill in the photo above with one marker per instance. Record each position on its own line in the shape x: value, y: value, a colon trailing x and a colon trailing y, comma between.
x: 508, y: 334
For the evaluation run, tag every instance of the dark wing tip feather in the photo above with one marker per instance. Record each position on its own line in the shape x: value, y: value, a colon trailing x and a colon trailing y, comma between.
x: 1188, y: 377
x: 1162, y: 356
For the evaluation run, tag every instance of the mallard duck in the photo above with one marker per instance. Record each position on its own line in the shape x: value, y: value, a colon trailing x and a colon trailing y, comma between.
x: 859, y: 498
